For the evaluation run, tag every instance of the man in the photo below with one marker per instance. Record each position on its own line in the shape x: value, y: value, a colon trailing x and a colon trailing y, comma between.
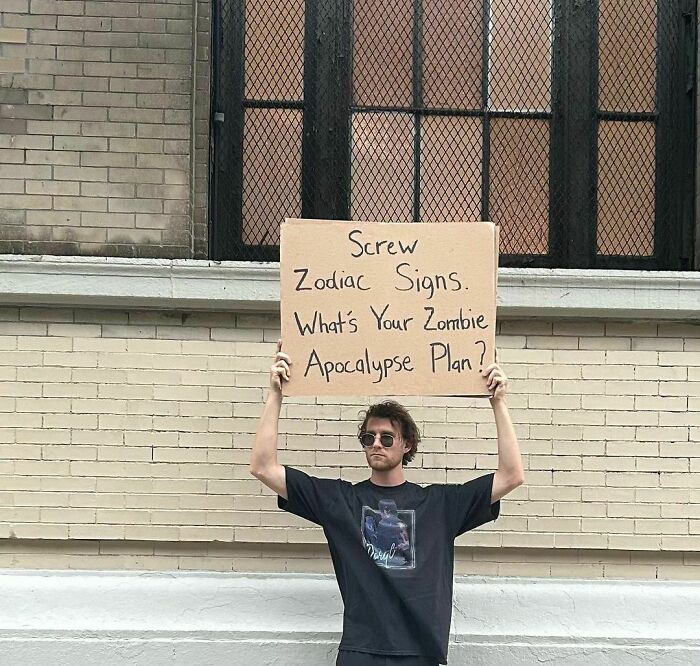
x: 391, y: 541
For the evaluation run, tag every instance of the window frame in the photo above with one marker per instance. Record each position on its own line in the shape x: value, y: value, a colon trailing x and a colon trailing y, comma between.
x: 574, y: 116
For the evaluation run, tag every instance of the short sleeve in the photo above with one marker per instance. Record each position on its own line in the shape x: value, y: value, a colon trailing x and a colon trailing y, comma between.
x: 468, y: 505
x: 308, y: 496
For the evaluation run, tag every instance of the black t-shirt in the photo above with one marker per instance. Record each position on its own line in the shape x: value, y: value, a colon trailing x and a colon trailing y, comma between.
x: 393, y: 553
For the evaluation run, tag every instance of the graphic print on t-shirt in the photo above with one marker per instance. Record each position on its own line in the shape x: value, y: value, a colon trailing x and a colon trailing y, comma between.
x: 388, y: 535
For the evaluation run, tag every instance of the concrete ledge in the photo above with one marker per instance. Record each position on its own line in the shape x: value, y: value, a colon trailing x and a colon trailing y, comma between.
x: 68, y: 617
x: 240, y: 286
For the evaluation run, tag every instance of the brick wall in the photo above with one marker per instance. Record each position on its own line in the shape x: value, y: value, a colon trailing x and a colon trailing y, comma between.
x: 127, y: 435
x: 96, y: 127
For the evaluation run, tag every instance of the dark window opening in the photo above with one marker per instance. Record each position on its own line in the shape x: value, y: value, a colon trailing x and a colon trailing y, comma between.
x: 570, y: 125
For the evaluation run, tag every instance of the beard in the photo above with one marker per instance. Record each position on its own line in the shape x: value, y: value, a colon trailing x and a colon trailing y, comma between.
x: 382, y: 464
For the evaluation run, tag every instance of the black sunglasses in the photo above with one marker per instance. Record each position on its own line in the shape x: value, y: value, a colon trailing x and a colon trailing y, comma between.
x: 367, y: 439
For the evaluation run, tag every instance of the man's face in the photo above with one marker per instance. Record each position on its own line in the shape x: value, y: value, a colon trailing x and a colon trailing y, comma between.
x: 378, y: 457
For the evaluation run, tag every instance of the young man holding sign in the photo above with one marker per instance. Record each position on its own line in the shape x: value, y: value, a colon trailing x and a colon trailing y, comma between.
x: 391, y: 541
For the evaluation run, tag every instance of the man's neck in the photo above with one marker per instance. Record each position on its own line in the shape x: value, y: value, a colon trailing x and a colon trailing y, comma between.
x: 392, y: 477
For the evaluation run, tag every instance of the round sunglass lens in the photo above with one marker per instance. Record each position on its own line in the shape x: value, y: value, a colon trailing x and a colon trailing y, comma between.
x: 367, y: 439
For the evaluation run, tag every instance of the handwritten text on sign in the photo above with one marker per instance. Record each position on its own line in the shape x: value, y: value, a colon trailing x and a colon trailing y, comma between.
x: 400, y: 309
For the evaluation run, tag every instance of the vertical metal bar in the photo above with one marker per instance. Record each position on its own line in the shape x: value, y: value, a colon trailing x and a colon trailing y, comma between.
x: 588, y: 250
x: 343, y: 127
x: 327, y: 107
x: 579, y: 130
x: 558, y: 199
x: 311, y: 110
x: 665, y: 217
x: 485, y: 122
x: 417, y: 102
x: 227, y: 225
x: 690, y: 242
x: 214, y: 130
x: 674, y: 216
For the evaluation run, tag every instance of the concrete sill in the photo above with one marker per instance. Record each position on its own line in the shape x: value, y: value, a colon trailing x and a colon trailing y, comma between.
x: 186, y: 284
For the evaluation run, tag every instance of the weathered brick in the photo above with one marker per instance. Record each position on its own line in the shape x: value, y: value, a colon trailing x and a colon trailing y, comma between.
x: 140, y: 175
x: 108, y: 99
x: 51, y: 187
x: 58, y: 218
x: 136, y: 145
x: 53, y: 127
x: 55, y: 97
x: 108, y: 159
x: 108, y: 129
x: 137, y: 85
x: 138, y: 55
x: 111, y: 8
x: 11, y: 156
x: 13, y: 35
x: 136, y: 115
x: 163, y: 131
x: 13, y: 65
x: 83, y: 53
x: 110, y: 39
x: 80, y: 113
x: 27, y: 21
x: 80, y: 143
x: 25, y: 111
x: 109, y: 69
x: 80, y: 173
x: 57, y: 37
x: 59, y: 7
x: 24, y: 171
x: 80, y: 203
x: 108, y: 190
x: 84, y: 23
x: 136, y: 205
x: 118, y: 220
x: 87, y: 83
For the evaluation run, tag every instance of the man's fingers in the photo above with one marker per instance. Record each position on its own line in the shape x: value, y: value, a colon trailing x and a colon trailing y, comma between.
x: 284, y: 357
x: 281, y: 368
x: 279, y: 345
x: 280, y: 373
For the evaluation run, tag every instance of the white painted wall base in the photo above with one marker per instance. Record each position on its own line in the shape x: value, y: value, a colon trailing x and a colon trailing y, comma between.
x: 177, y: 618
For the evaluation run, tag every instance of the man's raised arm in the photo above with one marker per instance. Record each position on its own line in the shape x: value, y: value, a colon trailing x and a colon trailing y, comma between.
x: 509, y: 474
x: 263, y: 458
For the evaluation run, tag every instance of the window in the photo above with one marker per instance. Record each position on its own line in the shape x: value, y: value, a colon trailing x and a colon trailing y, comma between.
x: 570, y: 125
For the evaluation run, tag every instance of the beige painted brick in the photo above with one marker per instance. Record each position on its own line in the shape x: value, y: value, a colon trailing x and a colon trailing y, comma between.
x: 666, y: 434
x: 647, y: 418
x: 605, y: 343
x: 658, y: 344
x: 548, y: 372
x: 691, y: 358
x: 690, y: 388
x: 608, y: 372
x: 579, y: 387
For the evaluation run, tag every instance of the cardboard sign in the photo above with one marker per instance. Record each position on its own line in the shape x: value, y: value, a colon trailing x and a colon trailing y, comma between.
x: 388, y: 309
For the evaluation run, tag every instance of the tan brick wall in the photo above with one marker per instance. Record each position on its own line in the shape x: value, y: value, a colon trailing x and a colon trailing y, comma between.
x: 96, y: 127
x: 127, y: 427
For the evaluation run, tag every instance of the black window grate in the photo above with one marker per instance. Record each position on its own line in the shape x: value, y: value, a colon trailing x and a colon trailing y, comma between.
x: 570, y: 125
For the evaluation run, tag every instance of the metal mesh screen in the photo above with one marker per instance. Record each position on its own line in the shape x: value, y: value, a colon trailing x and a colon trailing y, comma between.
x: 558, y: 121
x: 627, y: 49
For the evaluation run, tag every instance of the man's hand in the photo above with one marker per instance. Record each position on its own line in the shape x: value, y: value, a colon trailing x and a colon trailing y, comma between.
x: 496, y: 382
x: 279, y: 371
